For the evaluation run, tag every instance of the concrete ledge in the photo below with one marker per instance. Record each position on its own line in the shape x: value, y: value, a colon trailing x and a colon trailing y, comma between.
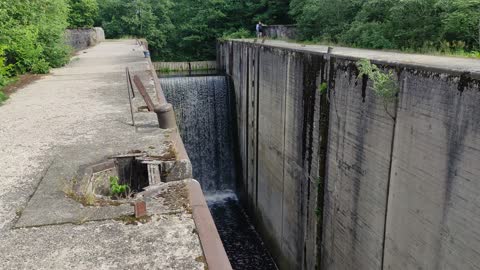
x: 212, y: 245
x: 185, y: 66
x: 442, y: 64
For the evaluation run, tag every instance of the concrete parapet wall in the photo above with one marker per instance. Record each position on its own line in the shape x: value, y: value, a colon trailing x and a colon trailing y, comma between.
x: 185, y: 66
x: 400, y: 184
x: 281, y: 31
x: 82, y: 38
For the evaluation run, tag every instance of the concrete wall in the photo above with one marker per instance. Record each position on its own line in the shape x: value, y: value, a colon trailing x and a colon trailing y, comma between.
x: 185, y: 66
x: 82, y: 38
x: 396, y: 187
x: 281, y: 31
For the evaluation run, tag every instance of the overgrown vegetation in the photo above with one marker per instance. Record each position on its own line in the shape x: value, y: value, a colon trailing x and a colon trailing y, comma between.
x: 384, y: 85
x: 83, y: 13
x: 117, y: 190
x: 187, y: 30
x: 322, y: 88
x: 32, y: 34
x: 447, y: 26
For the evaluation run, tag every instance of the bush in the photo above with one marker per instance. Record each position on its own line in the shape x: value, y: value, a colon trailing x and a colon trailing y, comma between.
x: 413, y: 25
x: 241, y: 33
x: 32, y: 37
x: 40, y: 67
x: 82, y: 13
x: 3, y: 97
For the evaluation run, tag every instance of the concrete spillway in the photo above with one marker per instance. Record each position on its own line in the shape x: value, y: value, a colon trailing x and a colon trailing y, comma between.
x: 203, y: 106
x: 205, y: 109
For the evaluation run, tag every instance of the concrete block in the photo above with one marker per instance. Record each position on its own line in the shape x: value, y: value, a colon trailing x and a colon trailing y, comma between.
x: 433, y: 214
x: 359, y: 150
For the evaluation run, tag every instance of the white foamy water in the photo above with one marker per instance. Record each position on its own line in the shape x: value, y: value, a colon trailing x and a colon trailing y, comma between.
x: 221, y: 196
x: 204, y: 111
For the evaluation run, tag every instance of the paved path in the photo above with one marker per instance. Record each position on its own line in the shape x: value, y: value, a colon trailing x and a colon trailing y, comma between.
x: 75, y: 116
x: 439, y: 62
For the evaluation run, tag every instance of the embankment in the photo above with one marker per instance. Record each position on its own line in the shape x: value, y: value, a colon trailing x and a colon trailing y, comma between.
x: 339, y: 180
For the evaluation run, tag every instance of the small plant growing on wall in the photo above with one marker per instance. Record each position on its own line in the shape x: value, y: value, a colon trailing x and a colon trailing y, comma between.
x: 117, y: 190
x: 384, y: 85
x: 322, y: 88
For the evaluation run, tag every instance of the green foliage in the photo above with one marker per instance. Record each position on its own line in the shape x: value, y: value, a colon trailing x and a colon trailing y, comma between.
x: 3, y: 97
x: 31, y: 37
x: 412, y: 25
x: 116, y: 189
x: 5, y: 70
x: 322, y: 88
x: 148, y: 19
x: 187, y: 30
x: 82, y: 13
x: 40, y: 67
x: 384, y: 84
x: 239, y: 34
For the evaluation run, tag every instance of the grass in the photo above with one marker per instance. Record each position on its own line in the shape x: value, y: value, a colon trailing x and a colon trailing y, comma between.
x: 132, y: 220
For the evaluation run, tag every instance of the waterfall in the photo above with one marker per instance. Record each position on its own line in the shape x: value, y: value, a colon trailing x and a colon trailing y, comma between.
x: 204, y: 110
x: 203, y: 107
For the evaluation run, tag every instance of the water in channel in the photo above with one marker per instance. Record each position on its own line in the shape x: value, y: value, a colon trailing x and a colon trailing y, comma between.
x: 204, y: 107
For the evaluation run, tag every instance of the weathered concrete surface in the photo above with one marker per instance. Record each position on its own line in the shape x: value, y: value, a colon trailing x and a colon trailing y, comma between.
x: 401, y: 184
x: 272, y: 86
x: 185, y: 66
x: 75, y: 117
x: 441, y: 63
x: 358, y: 162
x: 82, y: 38
x: 281, y: 31
x: 433, y: 210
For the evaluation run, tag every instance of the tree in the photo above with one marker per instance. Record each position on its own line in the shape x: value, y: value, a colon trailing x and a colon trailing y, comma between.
x: 82, y: 13
x: 32, y: 35
x: 148, y: 19
x: 461, y: 22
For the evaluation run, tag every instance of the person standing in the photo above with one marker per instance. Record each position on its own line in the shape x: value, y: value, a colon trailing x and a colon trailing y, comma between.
x: 259, y: 29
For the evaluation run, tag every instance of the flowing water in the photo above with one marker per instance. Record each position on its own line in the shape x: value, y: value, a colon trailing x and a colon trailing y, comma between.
x: 204, y: 108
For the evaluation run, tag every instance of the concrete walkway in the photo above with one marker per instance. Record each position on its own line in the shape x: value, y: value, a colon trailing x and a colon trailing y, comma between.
x: 49, y: 130
x: 458, y: 64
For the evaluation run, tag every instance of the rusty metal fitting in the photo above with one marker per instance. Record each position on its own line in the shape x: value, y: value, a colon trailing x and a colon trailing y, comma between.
x: 166, y: 116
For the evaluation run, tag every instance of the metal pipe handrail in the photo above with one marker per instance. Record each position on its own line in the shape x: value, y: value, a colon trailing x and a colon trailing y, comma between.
x: 158, y: 87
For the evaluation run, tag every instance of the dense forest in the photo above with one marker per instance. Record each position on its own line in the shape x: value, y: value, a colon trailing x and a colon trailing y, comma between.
x: 32, y: 31
x: 415, y: 25
x: 187, y: 29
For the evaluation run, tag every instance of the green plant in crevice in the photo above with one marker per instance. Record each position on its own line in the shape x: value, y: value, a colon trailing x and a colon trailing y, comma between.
x: 322, y: 88
x: 384, y: 85
x: 116, y: 189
